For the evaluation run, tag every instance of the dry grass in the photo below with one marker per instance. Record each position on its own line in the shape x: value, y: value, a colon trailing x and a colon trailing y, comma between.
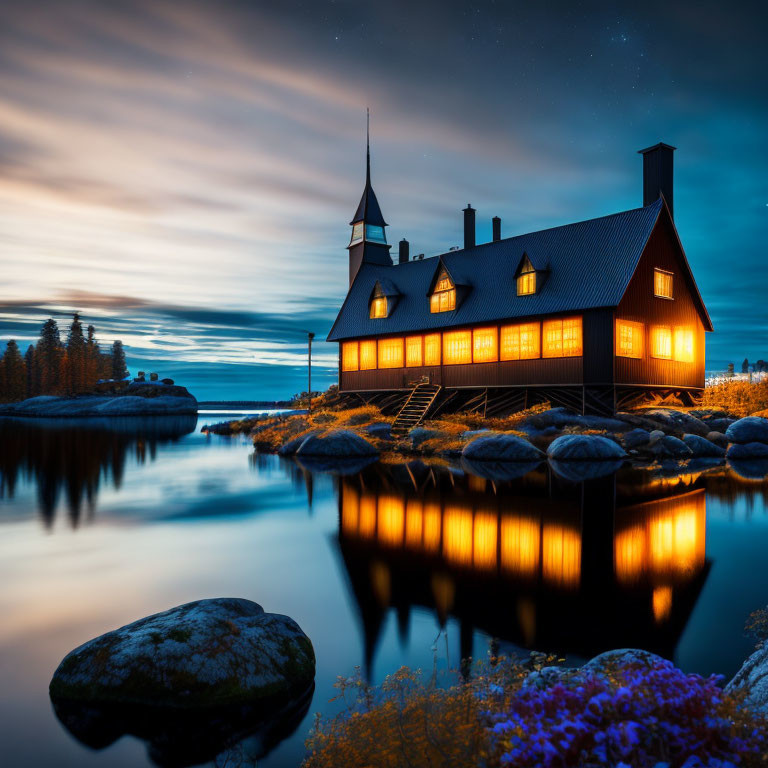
x: 741, y: 398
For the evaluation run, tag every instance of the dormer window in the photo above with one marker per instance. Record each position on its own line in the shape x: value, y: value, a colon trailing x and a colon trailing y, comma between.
x: 443, y: 298
x: 526, y: 280
x: 379, y: 304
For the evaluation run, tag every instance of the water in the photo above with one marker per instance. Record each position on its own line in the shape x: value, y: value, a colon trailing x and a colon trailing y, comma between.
x: 105, y: 521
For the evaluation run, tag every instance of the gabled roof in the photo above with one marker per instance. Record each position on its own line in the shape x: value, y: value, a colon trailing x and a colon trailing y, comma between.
x: 590, y: 265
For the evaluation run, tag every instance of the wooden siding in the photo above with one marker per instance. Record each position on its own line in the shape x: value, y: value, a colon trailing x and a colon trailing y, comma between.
x: 597, y: 332
x: 640, y: 305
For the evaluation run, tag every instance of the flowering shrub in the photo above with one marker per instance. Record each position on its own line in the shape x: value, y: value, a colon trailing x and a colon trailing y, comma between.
x: 628, y: 715
x: 636, y: 715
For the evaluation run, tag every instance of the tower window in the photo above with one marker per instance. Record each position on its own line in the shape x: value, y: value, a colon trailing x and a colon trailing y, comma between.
x: 662, y: 284
x: 357, y: 232
x: 374, y: 233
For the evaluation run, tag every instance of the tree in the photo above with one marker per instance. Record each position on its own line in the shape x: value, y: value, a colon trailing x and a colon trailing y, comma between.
x: 14, y: 373
x: 50, y: 353
x: 76, y: 350
x: 745, y: 366
x: 93, y: 362
x: 729, y: 372
x: 33, y: 375
x: 119, y: 368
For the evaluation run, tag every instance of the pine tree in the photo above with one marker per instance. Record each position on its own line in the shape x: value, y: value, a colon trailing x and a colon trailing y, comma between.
x: 745, y: 366
x: 119, y: 369
x: 50, y: 354
x: 14, y: 373
x: 76, y: 357
x: 92, y: 359
x: 33, y: 376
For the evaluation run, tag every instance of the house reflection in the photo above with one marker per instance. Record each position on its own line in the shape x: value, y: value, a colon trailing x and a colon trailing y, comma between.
x: 70, y: 458
x: 541, y: 563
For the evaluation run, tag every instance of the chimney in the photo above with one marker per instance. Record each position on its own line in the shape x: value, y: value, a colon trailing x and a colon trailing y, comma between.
x: 496, y: 222
x: 657, y: 173
x: 469, y: 227
x: 403, y: 251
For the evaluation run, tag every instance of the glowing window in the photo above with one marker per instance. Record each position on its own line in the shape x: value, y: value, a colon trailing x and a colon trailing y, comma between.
x: 662, y: 283
x: 526, y: 284
x: 457, y: 347
x: 485, y: 345
x: 367, y: 355
x: 357, y: 232
x: 349, y: 359
x: 390, y: 353
x: 432, y: 349
x: 379, y: 307
x: 413, y: 357
x: 520, y: 342
x: 443, y: 298
x: 684, y: 345
x: 661, y: 342
x: 629, y: 338
x: 562, y: 338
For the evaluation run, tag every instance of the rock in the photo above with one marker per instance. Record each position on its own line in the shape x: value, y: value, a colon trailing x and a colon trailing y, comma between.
x: 338, y: 443
x: 559, y: 418
x: 671, y: 420
x: 672, y: 448
x: 578, y: 471
x: 718, y: 438
x: 164, y: 403
x: 210, y: 653
x: 167, y: 382
x: 419, y: 435
x: 636, y: 438
x: 720, y: 424
x: 289, y: 448
x: 473, y: 433
x: 750, y: 429
x: 604, y: 661
x: 738, y: 451
x: 701, y: 447
x: 749, y: 469
x: 656, y: 435
x: 500, y: 446
x: 752, y: 681
x: 380, y: 430
x: 584, y: 448
x: 546, y: 677
x: 501, y: 471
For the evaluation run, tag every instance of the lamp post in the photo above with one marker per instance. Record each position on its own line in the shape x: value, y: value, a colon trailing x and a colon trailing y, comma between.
x: 310, y: 336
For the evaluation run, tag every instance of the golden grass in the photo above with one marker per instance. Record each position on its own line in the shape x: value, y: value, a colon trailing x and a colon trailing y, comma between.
x: 741, y: 398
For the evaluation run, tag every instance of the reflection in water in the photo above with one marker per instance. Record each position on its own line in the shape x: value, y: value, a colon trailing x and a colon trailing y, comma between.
x: 542, y: 563
x: 232, y: 736
x: 73, y: 456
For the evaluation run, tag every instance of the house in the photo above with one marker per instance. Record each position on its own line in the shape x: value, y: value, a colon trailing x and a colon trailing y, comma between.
x: 597, y: 315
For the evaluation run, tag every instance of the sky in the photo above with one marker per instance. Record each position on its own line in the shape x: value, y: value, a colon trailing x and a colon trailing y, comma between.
x: 183, y: 173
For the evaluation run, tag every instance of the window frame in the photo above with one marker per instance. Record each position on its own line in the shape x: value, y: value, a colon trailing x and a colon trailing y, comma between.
x: 655, y: 329
x: 445, y: 295
x: 560, y: 351
x: 640, y: 327
x: 664, y: 274
x: 379, y: 301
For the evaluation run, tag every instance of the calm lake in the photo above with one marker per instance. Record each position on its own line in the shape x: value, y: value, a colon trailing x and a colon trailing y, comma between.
x: 105, y: 521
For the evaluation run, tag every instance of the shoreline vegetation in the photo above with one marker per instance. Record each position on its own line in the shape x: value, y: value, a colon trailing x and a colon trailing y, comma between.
x: 645, y: 435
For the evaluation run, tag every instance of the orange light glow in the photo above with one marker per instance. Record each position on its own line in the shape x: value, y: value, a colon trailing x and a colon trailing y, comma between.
x: 414, y: 521
x: 485, y: 345
x: 661, y: 342
x: 486, y: 530
x: 684, y: 345
x: 391, y: 353
x: 350, y: 510
x: 391, y: 520
x: 662, y: 603
x: 520, y: 342
x: 562, y: 338
x: 349, y: 358
x: 520, y: 538
x: 457, y: 535
x: 629, y: 338
x: 368, y: 355
x: 662, y: 283
x: 526, y: 284
x: 457, y: 347
x: 379, y: 307
x: 413, y: 351
x: 432, y: 526
x: 367, y: 526
x: 561, y: 555
x: 432, y: 349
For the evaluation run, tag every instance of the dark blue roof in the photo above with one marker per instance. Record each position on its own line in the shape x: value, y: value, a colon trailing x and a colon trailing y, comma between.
x: 589, y: 265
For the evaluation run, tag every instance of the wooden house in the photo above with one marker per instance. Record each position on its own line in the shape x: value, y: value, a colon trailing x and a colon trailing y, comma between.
x: 597, y: 315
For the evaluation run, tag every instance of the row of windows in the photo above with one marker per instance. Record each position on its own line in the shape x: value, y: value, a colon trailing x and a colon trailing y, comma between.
x: 667, y: 342
x: 524, y: 341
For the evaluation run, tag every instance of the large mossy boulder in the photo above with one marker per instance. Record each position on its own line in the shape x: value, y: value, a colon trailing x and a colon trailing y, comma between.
x: 738, y: 451
x: 752, y: 681
x: 292, y: 445
x: 337, y: 444
x: 637, y: 438
x: 206, y: 654
x: 501, y: 447
x: 420, y: 435
x: 585, y: 448
x: 750, y: 429
x: 670, y: 447
x: 679, y: 422
x: 702, y: 447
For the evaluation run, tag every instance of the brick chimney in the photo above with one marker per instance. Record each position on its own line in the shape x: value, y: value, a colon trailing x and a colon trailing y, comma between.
x: 469, y: 227
x: 403, y: 251
x: 496, y: 222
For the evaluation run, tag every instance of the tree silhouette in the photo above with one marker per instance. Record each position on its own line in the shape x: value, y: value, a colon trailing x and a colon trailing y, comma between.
x: 14, y: 373
x: 93, y: 362
x: 745, y: 366
x: 33, y: 375
x: 50, y: 358
x: 119, y: 369
x: 76, y: 357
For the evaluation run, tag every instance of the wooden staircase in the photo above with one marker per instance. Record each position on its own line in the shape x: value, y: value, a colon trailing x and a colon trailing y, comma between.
x: 415, y: 409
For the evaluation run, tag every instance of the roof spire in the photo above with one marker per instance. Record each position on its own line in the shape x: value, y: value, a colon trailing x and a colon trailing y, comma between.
x: 367, y: 147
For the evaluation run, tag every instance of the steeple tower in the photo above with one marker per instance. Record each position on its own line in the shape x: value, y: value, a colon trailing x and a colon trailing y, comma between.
x: 369, y: 240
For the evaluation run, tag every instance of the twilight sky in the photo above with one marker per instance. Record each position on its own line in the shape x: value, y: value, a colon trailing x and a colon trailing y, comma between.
x: 183, y: 173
